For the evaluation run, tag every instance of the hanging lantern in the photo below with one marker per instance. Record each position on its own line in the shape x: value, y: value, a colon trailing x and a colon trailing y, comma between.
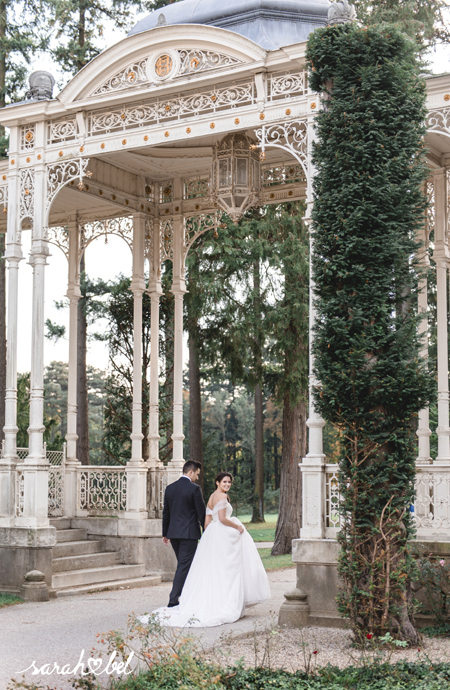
x: 236, y: 175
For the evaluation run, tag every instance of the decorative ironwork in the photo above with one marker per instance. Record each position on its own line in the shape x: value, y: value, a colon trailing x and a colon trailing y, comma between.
x: 61, y: 130
x: 190, y: 62
x: 27, y: 194
x: 56, y: 475
x: 430, y: 212
x: 193, y: 61
x: 166, y: 191
x: 176, y: 108
x: 432, y: 501
x: 196, y: 226
x: 439, y: 120
x: 103, y: 489
x: 196, y: 188
x: 289, y: 136
x: 157, y: 484
x: 282, y: 174
x: 120, y: 227
x: 60, y: 174
x: 149, y: 190
x: 20, y: 492
x: 332, y: 497
x: 286, y: 85
x: 4, y: 196
x: 59, y: 236
x: 130, y: 76
x: 166, y: 240
x: 27, y: 137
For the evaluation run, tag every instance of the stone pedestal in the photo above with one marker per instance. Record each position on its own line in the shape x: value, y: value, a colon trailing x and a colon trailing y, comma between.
x: 23, y: 550
x: 294, y: 612
x: 35, y: 588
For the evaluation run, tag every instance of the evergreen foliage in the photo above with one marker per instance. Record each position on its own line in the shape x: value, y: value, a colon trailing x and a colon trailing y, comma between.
x: 422, y: 20
x: 368, y: 206
x: 21, y: 36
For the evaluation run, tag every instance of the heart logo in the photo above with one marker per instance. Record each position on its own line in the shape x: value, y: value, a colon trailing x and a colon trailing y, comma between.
x: 94, y: 664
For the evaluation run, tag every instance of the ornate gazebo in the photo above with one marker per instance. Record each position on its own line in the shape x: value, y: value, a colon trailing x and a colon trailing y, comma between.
x: 202, y: 109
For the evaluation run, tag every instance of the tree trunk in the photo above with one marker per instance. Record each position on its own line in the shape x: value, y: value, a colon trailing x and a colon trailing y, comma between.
x: 2, y: 335
x: 258, y: 494
x: 294, y: 449
x: 195, y: 404
x: 82, y: 388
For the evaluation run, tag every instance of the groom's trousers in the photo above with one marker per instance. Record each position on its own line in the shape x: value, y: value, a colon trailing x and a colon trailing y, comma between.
x: 184, y: 551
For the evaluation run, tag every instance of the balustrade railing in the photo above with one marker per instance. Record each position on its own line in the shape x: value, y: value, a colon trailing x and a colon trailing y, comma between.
x: 431, y: 507
x: 56, y: 472
x: 101, y: 490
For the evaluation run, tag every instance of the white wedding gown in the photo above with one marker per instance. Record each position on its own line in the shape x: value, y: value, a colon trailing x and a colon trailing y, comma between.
x: 226, y: 575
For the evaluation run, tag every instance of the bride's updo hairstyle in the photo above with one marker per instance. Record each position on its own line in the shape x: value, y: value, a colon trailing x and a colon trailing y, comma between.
x: 221, y: 476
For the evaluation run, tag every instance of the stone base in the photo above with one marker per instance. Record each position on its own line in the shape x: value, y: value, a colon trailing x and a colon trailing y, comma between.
x: 137, y: 541
x: 22, y: 550
x: 317, y: 577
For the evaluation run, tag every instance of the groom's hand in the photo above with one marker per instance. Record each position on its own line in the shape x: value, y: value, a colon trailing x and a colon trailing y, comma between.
x: 165, y: 541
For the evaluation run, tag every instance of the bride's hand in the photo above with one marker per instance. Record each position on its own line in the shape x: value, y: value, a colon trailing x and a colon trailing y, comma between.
x: 241, y: 529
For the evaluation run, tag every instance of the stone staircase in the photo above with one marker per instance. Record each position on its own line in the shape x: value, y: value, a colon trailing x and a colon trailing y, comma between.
x: 82, y: 565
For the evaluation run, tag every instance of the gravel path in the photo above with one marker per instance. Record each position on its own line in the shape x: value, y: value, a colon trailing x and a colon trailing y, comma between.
x: 293, y: 649
x: 58, y: 630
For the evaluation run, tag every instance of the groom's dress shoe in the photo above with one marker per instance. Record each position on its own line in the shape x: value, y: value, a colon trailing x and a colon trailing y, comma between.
x: 169, y: 606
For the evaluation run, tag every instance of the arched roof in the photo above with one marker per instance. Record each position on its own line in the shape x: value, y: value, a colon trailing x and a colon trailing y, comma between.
x: 271, y: 24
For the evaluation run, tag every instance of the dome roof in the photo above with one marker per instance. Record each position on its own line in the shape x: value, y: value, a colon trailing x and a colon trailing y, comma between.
x: 269, y: 23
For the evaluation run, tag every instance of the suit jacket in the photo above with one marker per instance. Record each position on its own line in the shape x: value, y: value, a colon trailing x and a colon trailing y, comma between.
x: 184, y: 510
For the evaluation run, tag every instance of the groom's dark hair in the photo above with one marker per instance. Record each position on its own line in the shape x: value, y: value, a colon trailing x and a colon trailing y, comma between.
x: 191, y: 465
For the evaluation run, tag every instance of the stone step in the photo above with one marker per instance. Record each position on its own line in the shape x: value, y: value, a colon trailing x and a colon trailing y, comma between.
x: 83, y: 561
x: 78, y: 548
x: 60, y: 522
x: 71, y: 534
x: 90, y: 576
x: 132, y: 583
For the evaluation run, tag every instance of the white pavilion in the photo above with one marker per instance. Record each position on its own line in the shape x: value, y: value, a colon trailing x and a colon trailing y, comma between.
x: 204, y: 108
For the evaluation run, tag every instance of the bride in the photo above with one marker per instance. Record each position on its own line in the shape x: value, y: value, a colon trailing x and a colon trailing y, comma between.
x: 226, y: 574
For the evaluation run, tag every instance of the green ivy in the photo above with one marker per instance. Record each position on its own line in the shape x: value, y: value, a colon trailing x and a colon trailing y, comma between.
x: 368, y: 207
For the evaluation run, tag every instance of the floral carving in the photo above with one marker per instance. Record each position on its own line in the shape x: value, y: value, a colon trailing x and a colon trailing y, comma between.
x: 290, y: 136
x: 27, y: 194
x: 60, y: 174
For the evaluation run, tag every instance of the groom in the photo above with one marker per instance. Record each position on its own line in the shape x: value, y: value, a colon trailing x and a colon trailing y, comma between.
x: 183, y: 514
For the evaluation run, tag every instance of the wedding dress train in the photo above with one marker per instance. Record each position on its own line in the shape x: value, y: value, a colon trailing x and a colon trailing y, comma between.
x: 226, y: 575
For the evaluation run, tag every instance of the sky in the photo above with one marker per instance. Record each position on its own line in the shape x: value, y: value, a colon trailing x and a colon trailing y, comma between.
x: 102, y: 261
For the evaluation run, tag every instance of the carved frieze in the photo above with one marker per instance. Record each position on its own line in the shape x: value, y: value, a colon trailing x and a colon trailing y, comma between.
x: 164, y: 65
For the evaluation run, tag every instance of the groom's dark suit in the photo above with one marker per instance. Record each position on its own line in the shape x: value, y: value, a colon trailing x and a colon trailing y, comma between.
x: 184, y: 512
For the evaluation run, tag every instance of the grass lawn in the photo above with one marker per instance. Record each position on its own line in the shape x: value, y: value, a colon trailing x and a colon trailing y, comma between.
x: 7, y: 599
x: 261, y: 531
x: 275, y: 562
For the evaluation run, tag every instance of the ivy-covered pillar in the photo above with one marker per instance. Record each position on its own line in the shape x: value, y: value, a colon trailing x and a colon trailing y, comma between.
x: 441, y: 257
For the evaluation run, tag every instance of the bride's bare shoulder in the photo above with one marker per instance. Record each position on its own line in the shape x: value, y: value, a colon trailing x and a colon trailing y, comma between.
x: 214, y: 499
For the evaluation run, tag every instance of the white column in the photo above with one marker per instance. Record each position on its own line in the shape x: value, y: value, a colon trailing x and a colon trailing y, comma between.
x: 13, y: 255
x: 441, y: 257
x: 313, y: 465
x: 178, y: 290
x: 423, y: 429
x: 155, y: 293
x: 136, y: 468
x: 35, y: 467
x: 73, y: 295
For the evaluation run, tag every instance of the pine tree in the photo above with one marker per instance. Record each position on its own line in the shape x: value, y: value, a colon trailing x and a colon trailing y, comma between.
x: 368, y: 206
x: 422, y: 20
x: 288, y: 322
